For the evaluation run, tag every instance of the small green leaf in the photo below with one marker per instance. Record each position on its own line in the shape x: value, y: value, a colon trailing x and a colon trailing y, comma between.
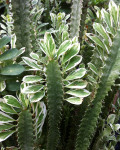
x: 34, y: 56
x: 4, y: 41
x: 112, y: 138
x: 23, y: 98
x: 65, y: 36
x: 77, y: 74
x: 114, y: 12
x: 2, y: 148
x: 4, y: 118
x: 3, y: 26
x: 14, y: 69
x: 106, y: 17
x: 116, y: 127
x: 98, y: 13
x: 103, y: 33
x: 97, y: 41
x: 6, y: 126
x: 75, y: 48
x: 111, y: 118
x: 32, y: 88
x: 53, y: 19
x: 74, y: 100
x: 6, y: 108
x: 44, y: 47
x: 38, y: 14
x: 63, y: 28
x: 82, y: 65
x: 12, y: 101
x: 2, y: 86
x: 32, y: 63
x: 107, y: 131
x: 12, y: 85
x: 60, y: 16
x: 50, y: 44
x: 22, y: 86
x: 32, y: 79
x: 73, y: 62
x: 79, y: 93
x: 75, y: 40
x: 66, y: 82
x: 93, y: 68
x: 21, y: 51
x: 37, y: 96
x: 101, y: 30
x: 63, y: 47
x: 91, y: 79
x: 40, y: 115
x: 77, y: 85
x: 5, y: 135
x: 9, y: 54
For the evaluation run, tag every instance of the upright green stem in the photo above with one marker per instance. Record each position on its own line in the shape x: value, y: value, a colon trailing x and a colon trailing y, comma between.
x: 25, y: 130
x: 55, y: 97
x: 83, y: 16
x: 76, y: 18
x: 47, y: 7
x: 21, y: 16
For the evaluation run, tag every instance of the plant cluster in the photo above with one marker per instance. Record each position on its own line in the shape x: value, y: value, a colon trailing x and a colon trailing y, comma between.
x: 59, y: 84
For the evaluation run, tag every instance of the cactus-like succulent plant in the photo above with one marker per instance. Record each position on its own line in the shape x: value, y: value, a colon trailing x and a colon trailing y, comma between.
x: 29, y: 122
x: 58, y: 78
x: 21, y: 17
x: 110, y: 72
